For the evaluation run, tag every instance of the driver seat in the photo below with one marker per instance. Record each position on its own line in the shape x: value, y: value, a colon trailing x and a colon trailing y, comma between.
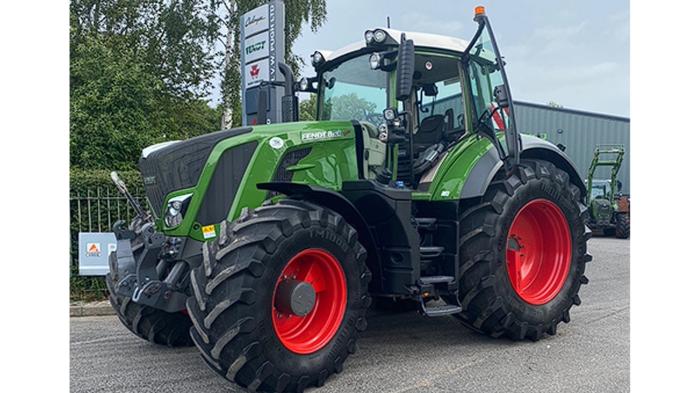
x: 430, y: 132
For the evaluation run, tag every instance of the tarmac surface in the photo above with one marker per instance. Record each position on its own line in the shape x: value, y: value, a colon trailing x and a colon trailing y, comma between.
x: 404, y: 352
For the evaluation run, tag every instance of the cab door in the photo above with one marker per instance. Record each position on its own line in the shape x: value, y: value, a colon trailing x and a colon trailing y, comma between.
x: 491, y: 105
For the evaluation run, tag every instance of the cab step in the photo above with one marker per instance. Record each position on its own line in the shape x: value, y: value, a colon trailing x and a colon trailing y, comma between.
x: 426, y: 223
x: 443, y: 287
x: 440, y: 310
x: 430, y: 252
x: 432, y: 280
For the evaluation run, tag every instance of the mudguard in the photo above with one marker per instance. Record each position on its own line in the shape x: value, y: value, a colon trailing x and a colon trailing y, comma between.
x: 489, y: 164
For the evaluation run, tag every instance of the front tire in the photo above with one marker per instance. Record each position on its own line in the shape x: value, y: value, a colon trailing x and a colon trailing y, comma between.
x: 622, y: 226
x: 523, y: 253
x: 153, y: 325
x: 248, y: 330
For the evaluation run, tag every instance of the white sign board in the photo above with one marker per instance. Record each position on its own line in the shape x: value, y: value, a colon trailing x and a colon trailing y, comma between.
x: 262, y: 47
x: 256, y: 20
x: 256, y: 47
x: 93, y: 252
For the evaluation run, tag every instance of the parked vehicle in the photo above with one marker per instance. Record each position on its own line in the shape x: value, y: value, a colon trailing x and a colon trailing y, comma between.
x: 608, y: 209
x: 268, y: 243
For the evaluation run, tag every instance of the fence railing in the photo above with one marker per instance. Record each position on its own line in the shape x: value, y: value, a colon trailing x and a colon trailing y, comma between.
x: 97, y: 209
x: 94, y: 209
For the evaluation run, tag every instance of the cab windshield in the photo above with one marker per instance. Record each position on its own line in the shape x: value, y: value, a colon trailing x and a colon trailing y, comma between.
x: 353, y: 91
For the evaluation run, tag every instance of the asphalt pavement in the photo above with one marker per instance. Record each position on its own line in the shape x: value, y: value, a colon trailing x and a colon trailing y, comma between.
x: 404, y: 352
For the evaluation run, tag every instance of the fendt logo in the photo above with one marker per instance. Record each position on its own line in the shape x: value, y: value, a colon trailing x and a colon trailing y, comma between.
x: 256, y: 47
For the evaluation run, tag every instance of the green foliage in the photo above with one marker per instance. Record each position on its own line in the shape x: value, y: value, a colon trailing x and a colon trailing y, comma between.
x: 174, y: 40
x: 348, y: 106
x: 136, y: 70
x: 307, y: 109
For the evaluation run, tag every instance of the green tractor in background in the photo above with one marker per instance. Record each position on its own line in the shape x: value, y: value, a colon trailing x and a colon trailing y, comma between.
x: 606, y: 217
x: 264, y: 246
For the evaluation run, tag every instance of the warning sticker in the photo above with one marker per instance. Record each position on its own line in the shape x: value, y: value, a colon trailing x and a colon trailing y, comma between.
x: 93, y: 249
x: 209, y: 231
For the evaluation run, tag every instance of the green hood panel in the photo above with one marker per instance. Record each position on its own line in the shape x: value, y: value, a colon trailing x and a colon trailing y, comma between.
x: 331, y: 159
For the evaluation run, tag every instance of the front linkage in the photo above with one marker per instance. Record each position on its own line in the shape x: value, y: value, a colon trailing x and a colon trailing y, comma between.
x: 147, y: 267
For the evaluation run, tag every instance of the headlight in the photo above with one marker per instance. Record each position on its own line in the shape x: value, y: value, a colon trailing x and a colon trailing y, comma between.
x: 379, y: 36
x: 176, y: 209
x: 389, y: 114
x: 317, y: 58
x: 369, y: 36
x: 375, y: 60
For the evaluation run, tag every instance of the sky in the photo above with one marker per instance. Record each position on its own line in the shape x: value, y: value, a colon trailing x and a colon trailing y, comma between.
x: 574, y: 53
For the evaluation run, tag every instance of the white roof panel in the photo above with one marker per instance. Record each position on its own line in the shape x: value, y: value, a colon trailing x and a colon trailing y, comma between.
x: 419, y: 40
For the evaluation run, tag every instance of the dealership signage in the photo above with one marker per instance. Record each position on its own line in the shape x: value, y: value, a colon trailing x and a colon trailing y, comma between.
x: 262, y: 46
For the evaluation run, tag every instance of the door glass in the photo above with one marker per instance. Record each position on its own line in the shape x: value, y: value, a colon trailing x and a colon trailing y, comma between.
x: 439, y: 90
x: 484, y: 76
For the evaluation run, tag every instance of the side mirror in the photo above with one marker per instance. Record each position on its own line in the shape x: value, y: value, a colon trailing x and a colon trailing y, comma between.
x: 405, y: 68
x: 500, y: 94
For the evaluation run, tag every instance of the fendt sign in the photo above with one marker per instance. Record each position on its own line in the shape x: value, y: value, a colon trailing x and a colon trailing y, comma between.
x: 262, y: 46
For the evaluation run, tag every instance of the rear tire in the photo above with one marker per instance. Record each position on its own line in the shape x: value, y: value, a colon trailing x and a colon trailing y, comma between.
x: 235, y: 300
x: 491, y: 303
x: 622, y: 226
x: 153, y: 325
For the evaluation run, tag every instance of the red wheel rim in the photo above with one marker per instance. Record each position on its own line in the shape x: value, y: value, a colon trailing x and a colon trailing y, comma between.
x: 539, y: 251
x: 313, y: 331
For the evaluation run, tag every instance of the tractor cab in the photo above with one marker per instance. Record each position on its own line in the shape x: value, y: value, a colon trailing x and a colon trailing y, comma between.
x: 415, y: 97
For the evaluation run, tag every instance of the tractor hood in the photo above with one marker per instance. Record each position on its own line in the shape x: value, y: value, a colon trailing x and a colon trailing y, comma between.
x: 195, y: 184
x: 175, y: 165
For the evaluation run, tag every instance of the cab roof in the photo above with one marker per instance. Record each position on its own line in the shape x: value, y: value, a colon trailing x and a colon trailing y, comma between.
x: 422, y: 40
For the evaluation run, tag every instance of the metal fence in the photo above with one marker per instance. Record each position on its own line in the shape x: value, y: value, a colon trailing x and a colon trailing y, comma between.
x: 97, y: 209
x: 94, y: 209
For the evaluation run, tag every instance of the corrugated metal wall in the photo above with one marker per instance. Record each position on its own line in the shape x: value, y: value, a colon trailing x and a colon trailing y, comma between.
x: 580, y: 132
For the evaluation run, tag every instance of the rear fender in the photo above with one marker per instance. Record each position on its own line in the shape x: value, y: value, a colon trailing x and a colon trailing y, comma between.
x: 489, y: 164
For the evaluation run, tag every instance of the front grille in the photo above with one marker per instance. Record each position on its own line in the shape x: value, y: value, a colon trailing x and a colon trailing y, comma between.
x: 179, y: 165
x: 224, y: 183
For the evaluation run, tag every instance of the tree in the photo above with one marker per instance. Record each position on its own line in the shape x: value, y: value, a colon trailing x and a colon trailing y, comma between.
x: 118, y: 107
x: 307, y: 109
x: 174, y: 39
x: 348, y: 106
x: 137, y: 70
x: 297, y: 13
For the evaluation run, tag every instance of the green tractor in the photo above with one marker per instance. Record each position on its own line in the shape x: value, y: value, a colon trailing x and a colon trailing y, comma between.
x: 605, y: 217
x: 264, y: 246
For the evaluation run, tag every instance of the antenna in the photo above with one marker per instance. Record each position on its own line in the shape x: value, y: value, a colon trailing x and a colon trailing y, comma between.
x: 388, y: 23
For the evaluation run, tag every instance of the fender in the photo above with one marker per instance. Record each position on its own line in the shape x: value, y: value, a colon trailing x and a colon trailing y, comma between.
x: 332, y: 200
x: 489, y: 164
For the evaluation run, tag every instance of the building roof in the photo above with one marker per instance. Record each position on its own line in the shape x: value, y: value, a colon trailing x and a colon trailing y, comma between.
x: 573, y: 111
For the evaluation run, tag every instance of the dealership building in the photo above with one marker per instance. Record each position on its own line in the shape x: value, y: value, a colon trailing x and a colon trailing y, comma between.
x: 580, y: 132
